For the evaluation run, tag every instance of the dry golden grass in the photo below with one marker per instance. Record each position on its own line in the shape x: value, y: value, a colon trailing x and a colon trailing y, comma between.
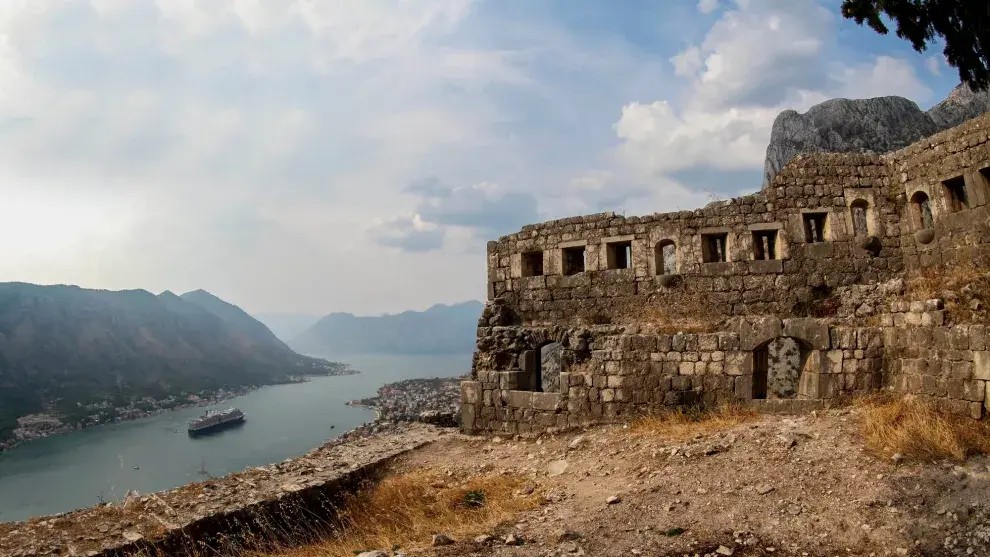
x: 917, y: 430
x: 682, y: 310
x: 933, y: 282
x: 683, y: 424
x: 407, y: 509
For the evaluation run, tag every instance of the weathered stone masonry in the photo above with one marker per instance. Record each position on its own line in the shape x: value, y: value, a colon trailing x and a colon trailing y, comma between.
x: 761, y: 263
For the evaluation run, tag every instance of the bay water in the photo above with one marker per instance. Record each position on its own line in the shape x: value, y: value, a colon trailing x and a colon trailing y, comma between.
x: 83, y: 468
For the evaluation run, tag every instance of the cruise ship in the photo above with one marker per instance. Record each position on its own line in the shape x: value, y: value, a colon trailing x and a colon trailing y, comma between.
x: 215, y: 419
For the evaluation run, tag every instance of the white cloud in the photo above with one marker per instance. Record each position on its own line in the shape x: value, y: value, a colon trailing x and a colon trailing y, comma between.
x: 707, y: 6
x: 761, y: 48
x: 262, y: 149
x: 881, y: 77
x: 408, y: 233
x: 934, y: 64
x: 312, y: 112
x: 687, y: 62
x: 660, y: 140
x: 760, y: 58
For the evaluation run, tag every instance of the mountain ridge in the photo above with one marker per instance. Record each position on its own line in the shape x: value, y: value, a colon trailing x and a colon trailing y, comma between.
x: 441, y: 328
x: 877, y: 125
x: 66, y: 349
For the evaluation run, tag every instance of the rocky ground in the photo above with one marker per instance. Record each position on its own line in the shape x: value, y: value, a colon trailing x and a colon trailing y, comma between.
x: 89, y: 532
x: 774, y: 485
x: 802, y: 486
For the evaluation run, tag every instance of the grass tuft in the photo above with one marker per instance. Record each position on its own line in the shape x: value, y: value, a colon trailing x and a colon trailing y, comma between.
x: 404, y: 511
x: 966, y: 280
x: 917, y: 430
x: 686, y: 423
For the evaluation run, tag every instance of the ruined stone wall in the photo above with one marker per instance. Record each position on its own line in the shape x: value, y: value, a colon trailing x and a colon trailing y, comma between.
x: 746, y: 282
x: 958, y: 231
x: 610, y: 372
x: 946, y: 365
x: 756, y: 267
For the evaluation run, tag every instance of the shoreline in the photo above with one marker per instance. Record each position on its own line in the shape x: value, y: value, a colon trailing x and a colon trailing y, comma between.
x: 7, y: 446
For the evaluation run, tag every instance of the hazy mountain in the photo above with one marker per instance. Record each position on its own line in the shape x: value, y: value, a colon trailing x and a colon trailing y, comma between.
x: 877, y: 125
x: 287, y: 326
x: 439, y: 329
x: 236, y: 319
x: 69, y: 345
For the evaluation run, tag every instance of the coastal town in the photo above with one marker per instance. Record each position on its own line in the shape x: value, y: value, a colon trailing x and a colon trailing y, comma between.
x: 404, y: 401
x: 51, y: 422
x: 435, y: 401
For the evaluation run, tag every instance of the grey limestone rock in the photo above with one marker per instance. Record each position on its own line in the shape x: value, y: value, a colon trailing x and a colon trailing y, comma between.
x: 877, y: 125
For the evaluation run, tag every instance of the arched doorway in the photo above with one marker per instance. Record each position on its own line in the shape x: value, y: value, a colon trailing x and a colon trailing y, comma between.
x: 777, y: 367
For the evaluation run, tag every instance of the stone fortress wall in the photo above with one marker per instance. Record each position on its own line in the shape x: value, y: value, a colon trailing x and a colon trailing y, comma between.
x: 760, y: 272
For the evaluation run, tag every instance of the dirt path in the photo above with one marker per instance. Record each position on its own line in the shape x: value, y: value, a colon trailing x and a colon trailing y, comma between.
x: 776, y: 486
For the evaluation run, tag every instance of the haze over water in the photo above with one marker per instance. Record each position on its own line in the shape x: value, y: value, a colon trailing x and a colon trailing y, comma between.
x: 66, y: 472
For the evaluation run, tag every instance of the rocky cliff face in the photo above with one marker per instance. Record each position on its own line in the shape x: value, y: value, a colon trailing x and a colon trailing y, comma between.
x: 877, y: 125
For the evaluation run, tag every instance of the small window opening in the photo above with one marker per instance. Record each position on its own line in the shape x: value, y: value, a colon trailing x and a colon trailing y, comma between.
x: 666, y: 257
x: 619, y: 255
x: 921, y: 211
x: 955, y: 191
x: 532, y: 264
x: 574, y: 260
x: 713, y: 247
x: 765, y: 245
x: 860, y: 225
x: 814, y: 227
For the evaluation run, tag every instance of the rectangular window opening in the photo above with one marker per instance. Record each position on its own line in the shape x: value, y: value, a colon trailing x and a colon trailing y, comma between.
x: 573, y: 260
x: 814, y: 227
x: 713, y: 247
x: 619, y: 255
x: 955, y: 192
x: 532, y: 264
x: 765, y: 245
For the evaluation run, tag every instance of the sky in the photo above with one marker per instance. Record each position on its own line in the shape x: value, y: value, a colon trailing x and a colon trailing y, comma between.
x: 315, y: 156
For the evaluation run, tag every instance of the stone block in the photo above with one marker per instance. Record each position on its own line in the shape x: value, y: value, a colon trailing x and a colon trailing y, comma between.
x: 978, y: 337
x: 708, y: 342
x: 974, y: 391
x: 767, y: 267
x: 514, y: 380
x: 820, y: 250
x: 844, y: 338
x: 754, y: 331
x: 833, y: 361
x: 813, y: 331
x: 738, y: 363
x: 468, y: 417
x: 520, y: 399
x: 808, y: 386
x: 686, y: 368
x: 470, y: 392
x: 743, y: 387
x: 976, y: 410
x: 545, y: 401
x: 981, y: 365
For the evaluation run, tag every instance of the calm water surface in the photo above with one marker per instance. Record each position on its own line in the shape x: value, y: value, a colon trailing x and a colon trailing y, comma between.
x: 71, y: 471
